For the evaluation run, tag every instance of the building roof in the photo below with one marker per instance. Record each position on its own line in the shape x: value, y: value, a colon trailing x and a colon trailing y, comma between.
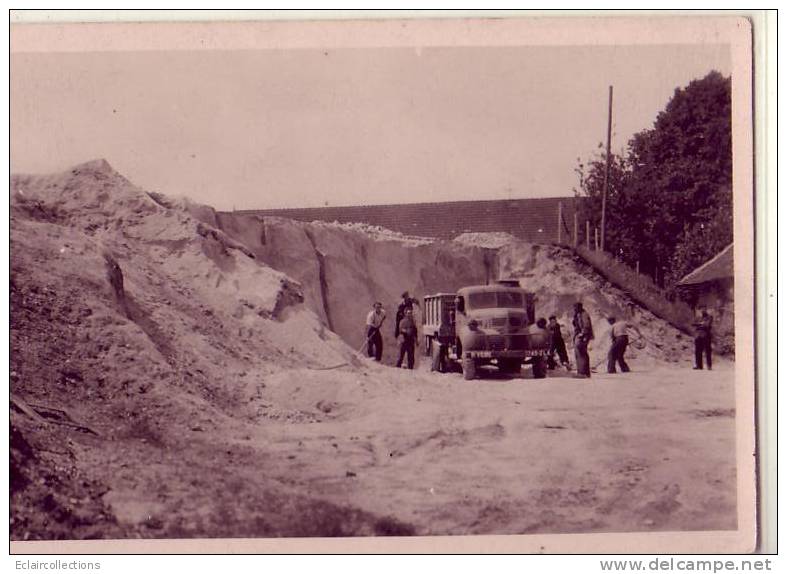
x: 533, y: 219
x: 722, y: 266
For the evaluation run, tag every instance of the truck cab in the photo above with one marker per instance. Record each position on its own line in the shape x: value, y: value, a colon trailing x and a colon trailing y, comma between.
x: 485, y: 324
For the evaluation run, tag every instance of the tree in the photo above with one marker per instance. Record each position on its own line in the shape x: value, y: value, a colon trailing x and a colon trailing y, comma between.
x: 704, y: 239
x: 670, y: 205
x: 619, y: 238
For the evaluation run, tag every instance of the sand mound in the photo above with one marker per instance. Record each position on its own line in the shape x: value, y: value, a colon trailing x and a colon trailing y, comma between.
x: 198, y: 376
x: 560, y: 279
x: 142, y: 322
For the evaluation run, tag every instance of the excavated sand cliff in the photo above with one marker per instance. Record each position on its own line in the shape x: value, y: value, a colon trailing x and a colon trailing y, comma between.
x: 180, y: 373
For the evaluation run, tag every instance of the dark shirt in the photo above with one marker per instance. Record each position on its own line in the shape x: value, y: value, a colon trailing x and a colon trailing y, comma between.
x: 407, y: 327
x: 703, y: 325
x: 403, y: 306
x: 582, y: 325
x: 554, y: 331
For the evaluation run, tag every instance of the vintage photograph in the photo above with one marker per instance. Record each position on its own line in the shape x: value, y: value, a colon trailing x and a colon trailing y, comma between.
x: 358, y: 279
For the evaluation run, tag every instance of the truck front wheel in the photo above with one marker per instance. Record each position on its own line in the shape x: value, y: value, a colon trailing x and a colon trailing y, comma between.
x: 438, y: 363
x: 469, y: 368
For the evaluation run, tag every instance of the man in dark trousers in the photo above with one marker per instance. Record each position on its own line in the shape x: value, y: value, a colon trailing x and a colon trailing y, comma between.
x: 556, y: 344
x: 620, y: 340
x: 408, y: 339
x: 407, y: 302
x: 702, y: 339
x: 583, y: 334
x: 374, y: 339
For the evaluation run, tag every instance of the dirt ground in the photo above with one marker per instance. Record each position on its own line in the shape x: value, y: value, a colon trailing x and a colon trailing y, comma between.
x: 168, y: 384
x: 379, y: 451
x: 640, y: 451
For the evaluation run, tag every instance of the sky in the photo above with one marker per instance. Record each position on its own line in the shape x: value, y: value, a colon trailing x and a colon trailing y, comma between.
x: 305, y: 127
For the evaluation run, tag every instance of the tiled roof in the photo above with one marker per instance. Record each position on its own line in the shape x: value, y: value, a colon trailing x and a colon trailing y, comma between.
x: 533, y: 220
x: 722, y: 266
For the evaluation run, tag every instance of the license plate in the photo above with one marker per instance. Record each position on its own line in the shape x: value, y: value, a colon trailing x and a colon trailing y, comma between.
x: 536, y: 353
x: 479, y: 354
x: 504, y: 354
x: 508, y: 354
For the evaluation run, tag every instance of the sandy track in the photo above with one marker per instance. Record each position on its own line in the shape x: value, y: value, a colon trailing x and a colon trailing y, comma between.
x: 641, y: 451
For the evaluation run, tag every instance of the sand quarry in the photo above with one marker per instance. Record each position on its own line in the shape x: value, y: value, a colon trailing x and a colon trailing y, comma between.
x: 179, y: 373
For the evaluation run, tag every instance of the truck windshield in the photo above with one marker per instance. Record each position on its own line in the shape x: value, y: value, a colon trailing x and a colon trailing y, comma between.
x: 493, y: 299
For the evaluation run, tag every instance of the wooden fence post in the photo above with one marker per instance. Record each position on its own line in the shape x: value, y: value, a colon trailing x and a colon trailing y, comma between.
x: 559, y: 222
x: 587, y: 234
x: 576, y: 229
x: 595, y: 234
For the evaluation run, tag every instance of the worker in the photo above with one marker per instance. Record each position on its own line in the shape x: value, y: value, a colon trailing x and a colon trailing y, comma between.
x: 583, y: 334
x: 374, y: 339
x: 556, y: 345
x: 407, y: 302
x: 408, y: 335
x: 702, y: 339
x: 620, y: 340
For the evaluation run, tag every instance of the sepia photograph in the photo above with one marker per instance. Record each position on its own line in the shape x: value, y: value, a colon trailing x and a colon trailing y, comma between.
x: 427, y: 285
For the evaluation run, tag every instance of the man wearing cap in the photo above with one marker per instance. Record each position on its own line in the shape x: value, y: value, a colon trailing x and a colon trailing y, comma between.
x: 374, y: 340
x: 408, y: 334
x: 583, y: 334
x: 406, y: 303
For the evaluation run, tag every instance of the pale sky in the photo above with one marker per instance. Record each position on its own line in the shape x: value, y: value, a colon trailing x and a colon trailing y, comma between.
x: 298, y: 128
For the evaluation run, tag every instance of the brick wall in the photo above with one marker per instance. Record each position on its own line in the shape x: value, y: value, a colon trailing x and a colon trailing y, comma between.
x: 534, y: 220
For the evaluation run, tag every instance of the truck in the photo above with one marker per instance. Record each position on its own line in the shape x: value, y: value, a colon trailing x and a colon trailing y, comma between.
x: 484, y: 324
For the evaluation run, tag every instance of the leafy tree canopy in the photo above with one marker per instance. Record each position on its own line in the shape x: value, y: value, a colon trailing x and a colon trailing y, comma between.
x: 669, y: 204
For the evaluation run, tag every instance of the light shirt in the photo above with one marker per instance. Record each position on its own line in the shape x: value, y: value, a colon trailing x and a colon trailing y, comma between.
x: 375, y: 319
x: 620, y: 328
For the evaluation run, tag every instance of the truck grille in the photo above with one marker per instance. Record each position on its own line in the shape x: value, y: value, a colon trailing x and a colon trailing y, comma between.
x: 502, y: 342
x: 502, y: 322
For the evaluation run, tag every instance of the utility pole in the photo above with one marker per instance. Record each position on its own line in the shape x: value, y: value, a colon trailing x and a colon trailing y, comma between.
x: 606, y: 173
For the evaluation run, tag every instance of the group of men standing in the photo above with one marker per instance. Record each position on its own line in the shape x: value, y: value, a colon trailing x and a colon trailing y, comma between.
x: 405, y: 331
x: 619, y: 341
x: 583, y: 334
x: 619, y: 334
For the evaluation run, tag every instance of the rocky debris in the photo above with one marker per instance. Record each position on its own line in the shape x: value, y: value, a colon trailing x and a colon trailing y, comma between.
x: 491, y: 240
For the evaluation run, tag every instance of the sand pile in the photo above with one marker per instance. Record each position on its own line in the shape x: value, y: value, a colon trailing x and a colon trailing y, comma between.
x: 197, y: 377
x: 143, y: 324
x: 559, y: 280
